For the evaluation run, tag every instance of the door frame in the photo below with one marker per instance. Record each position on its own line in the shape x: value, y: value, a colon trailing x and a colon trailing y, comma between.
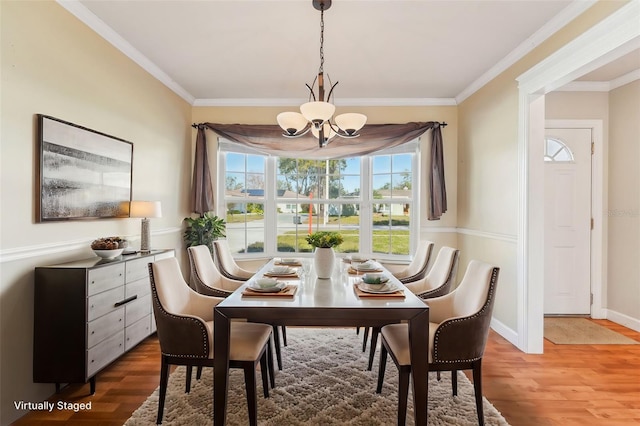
x: 613, y: 37
x: 599, y: 185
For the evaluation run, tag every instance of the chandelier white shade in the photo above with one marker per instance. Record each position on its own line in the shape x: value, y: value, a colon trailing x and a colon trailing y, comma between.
x: 316, y: 115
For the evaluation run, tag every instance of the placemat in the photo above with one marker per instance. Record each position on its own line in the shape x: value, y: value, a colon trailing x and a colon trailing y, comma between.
x: 285, y: 276
x: 360, y: 293
x: 356, y: 272
x: 280, y: 263
x: 288, y: 291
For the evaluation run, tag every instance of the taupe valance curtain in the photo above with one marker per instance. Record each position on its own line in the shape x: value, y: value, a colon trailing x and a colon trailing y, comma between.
x: 373, y: 138
x: 201, y: 188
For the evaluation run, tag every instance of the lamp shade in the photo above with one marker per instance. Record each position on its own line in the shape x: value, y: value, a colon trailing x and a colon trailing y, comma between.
x: 351, y: 122
x: 292, y: 122
x: 145, y: 209
x: 317, y: 112
x: 328, y: 132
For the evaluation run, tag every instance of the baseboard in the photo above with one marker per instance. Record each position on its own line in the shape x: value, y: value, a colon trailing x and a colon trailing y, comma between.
x: 509, y: 334
x: 622, y: 319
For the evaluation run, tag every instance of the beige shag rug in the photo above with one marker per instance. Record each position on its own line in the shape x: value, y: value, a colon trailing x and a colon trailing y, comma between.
x: 324, y: 381
x: 581, y: 331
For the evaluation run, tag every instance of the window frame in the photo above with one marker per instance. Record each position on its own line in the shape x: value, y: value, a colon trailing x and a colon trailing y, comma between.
x: 365, y: 199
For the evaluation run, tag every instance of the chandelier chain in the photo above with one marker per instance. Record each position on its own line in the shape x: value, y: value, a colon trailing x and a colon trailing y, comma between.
x: 322, y: 38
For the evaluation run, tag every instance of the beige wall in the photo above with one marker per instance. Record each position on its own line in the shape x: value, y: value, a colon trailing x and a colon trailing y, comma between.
x: 442, y: 232
x: 623, y: 289
x: 488, y: 160
x: 53, y: 64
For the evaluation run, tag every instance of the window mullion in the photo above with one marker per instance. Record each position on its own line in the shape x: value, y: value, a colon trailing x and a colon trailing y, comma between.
x: 270, y: 208
x: 366, y: 206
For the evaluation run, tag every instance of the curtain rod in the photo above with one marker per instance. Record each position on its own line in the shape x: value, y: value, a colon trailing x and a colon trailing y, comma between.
x: 196, y: 125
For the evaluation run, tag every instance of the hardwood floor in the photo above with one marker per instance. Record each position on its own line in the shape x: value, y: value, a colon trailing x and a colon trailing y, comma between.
x: 569, y: 385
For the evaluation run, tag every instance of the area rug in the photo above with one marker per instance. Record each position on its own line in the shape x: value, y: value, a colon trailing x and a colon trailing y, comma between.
x: 581, y: 331
x: 324, y: 381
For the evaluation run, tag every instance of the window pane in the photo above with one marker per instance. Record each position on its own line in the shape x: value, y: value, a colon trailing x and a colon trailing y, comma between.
x: 381, y: 183
x: 245, y: 227
x: 235, y: 162
x: 234, y: 184
x: 381, y: 164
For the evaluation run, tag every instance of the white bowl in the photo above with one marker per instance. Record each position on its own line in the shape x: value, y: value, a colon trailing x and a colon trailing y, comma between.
x: 288, y: 260
x: 358, y: 258
x: 365, y: 266
x: 266, y: 282
x: 375, y: 278
x: 108, y: 254
x: 280, y: 269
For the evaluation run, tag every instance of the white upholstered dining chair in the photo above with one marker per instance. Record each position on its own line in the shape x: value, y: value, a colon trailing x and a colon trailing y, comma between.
x: 184, y: 320
x: 458, y: 331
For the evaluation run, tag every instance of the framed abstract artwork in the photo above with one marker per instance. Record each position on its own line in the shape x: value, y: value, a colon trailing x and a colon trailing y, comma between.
x: 82, y: 173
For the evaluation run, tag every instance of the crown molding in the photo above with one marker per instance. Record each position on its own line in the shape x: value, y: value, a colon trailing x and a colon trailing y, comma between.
x: 101, y: 28
x: 625, y: 79
x: 347, y: 102
x: 565, y: 16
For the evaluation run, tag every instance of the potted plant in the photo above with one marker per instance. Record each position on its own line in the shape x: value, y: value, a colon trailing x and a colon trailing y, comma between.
x: 324, y: 256
x: 204, y: 230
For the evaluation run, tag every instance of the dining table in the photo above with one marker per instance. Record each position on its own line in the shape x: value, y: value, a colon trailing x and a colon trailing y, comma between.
x: 334, y: 302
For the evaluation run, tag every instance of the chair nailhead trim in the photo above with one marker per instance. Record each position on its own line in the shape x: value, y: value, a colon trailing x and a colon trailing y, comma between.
x: 494, y: 275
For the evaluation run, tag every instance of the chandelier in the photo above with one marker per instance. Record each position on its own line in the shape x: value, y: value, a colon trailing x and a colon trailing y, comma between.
x: 316, y: 115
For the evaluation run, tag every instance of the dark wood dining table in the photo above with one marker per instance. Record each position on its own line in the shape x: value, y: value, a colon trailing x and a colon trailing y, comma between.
x: 323, y: 302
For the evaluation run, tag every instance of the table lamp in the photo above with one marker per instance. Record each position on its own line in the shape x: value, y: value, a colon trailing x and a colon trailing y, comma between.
x: 145, y: 210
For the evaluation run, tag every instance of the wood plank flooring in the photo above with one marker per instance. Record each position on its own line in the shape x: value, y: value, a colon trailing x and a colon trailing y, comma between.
x: 569, y: 385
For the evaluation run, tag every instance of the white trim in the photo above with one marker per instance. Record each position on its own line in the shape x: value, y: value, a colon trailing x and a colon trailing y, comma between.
x: 610, y: 39
x: 101, y: 28
x: 350, y: 102
x: 508, y: 333
x: 585, y: 86
x: 599, y: 205
x: 600, y: 86
x: 513, y: 239
x: 625, y: 79
x: 565, y: 16
x: 439, y: 229
x: 26, y: 252
x: 622, y: 319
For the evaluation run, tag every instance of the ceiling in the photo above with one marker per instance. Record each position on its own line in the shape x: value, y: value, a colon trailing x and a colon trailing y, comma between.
x: 250, y: 52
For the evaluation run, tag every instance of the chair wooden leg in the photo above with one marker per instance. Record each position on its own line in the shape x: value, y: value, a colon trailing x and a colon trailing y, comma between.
x: 276, y: 340
x: 365, y: 338
x: 264, y: 373
x: 403, y: 392
x: 199, y: 372
x: 357, y: 330
x: 251, y: 389
x: 284, y: 335
x: 381, y: 368
x: 454, y: 382
x: 272, y: 370
x: 187, y: 386
x: 477, y: 386
x: 164, y: 379
x: 438, y: 375
x: 374, y: 342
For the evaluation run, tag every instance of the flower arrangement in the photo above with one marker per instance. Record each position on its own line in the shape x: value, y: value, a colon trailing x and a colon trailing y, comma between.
x: 325, y: 239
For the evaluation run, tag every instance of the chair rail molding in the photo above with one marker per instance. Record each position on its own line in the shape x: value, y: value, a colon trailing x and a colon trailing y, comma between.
x: 37, y: 250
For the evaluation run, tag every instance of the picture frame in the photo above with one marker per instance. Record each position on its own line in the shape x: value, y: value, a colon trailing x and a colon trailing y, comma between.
x: 82, y: 173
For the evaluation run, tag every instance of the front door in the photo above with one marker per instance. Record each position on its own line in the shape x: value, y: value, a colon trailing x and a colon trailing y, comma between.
x: 567, y: 237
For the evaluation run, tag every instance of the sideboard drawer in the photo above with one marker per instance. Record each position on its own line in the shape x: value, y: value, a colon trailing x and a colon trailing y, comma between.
x: 137, y: 269
x: 137, y: 309
x: 106, y: 278
x: 138, y: 288
x: 105, y: 326
x: 136, y: 332
x: 103, y: 353
x: 103, y: 303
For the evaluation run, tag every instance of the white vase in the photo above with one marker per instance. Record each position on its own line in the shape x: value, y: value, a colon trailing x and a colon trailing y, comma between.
x: 323, y: 261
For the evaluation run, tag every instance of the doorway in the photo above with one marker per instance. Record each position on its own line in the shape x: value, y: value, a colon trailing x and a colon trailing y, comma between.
x: 567, y: 219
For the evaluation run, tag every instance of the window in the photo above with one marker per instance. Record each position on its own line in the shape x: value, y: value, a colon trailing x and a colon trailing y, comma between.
x: 556, y: 150
x: 271, y: 204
